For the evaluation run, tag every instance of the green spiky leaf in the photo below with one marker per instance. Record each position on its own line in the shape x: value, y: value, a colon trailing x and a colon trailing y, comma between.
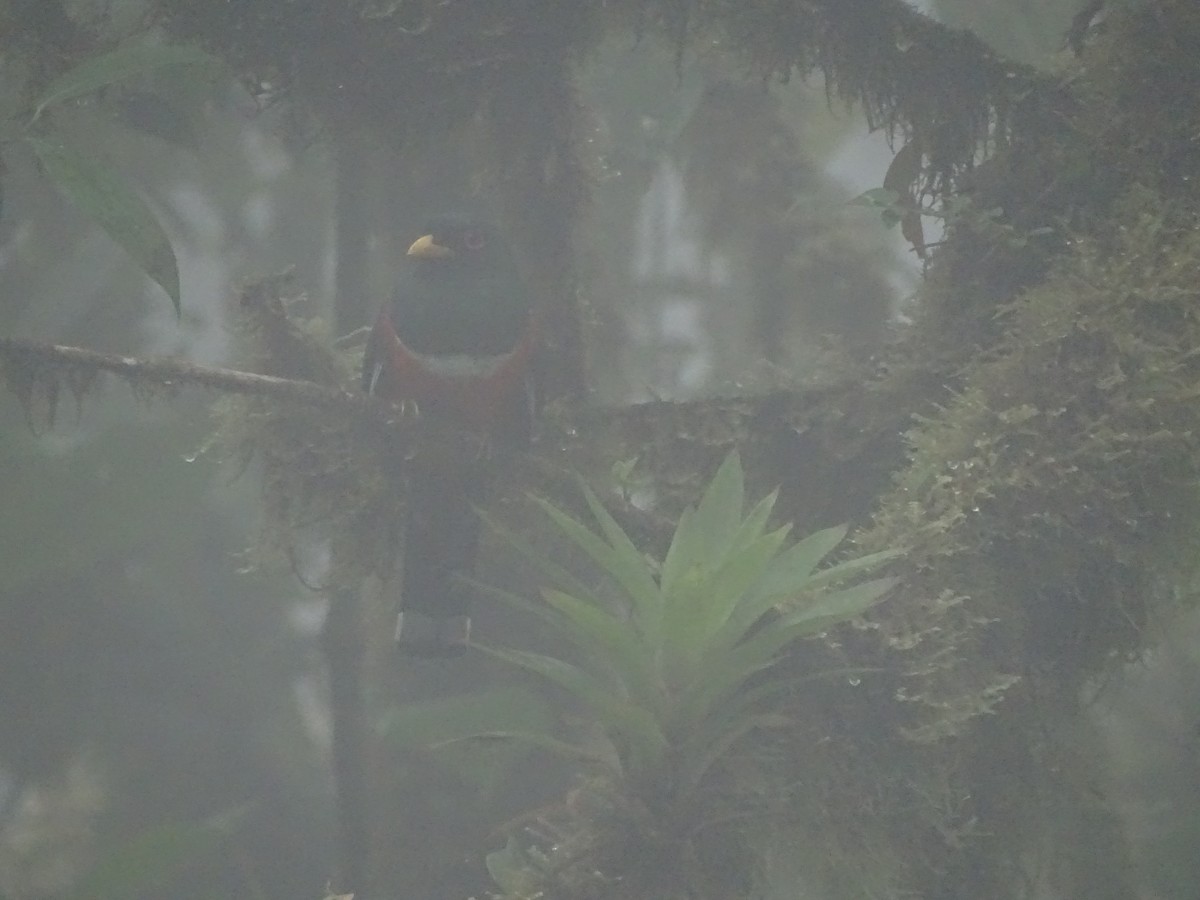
x: 636, y: 577
x: 688, y: 674
x: 544, y: 563
x: 694, y: 618
x: 622, y: 563
x: 634, y: 729
x: 706, y: 532
x: 790, y: 573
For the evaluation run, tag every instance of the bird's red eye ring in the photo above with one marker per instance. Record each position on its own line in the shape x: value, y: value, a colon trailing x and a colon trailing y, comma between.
x: 473, y: 239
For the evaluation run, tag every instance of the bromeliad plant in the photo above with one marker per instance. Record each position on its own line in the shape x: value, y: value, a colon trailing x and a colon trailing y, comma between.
x: 684, y: 665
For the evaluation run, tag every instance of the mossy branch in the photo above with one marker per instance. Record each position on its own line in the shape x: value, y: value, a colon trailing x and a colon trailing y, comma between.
x: 26, y: 361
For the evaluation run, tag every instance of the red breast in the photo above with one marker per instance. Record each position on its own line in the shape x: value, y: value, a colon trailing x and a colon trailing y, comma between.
x: 477, y: 391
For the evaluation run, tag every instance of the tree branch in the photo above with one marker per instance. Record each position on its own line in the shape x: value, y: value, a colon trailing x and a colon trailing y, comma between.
x: 25, y: 359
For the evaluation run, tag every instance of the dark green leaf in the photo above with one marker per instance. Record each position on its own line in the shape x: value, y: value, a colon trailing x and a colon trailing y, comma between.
x: 113, y: 205
x: 634, y: 576
x: 831, y: 607
x: 608, y: 639
x: 727, y: 672
x: 153, y: 857
x: 609, y: 642
x: 126, y: 61
x: 542, y: 740
x: 719, y: 514
x: 789, y: 574
x: 755, y: 523
x: 850, y: 567
x: 694, y: 621
x: 877, y: 198
x: 550, y: 570
x: 705, y: 533
x: 447, y: 718
x: 151, y: 114
x: 511, y: 872
x: 636, y: 726
x: 700, y: 759
x: 443, y: 720
x: 683, y: 555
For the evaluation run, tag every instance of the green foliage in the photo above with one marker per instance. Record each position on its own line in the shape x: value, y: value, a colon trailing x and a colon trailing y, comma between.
x: 153, y: 857
x: 509, y: 868
x: 482, y: 766
x: 673, y: 676
x: 106, y: 198
x: 685, y: 665
x: 129, y: 60
x: 87, y: 180
x: 887, y: 201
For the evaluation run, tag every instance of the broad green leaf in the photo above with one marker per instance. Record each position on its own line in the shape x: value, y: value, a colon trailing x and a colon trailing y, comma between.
x: 126, y: 61
x: 693, y: 621
x: 511, y: 872
x: 760, y: 649
x: 876, y: 198
x: 719, y: 514
x: 699, y: 760
x: 112, y: 204
x: 789, y: 574
x: 704, y: 742
x: 728, y: 671
x: 608, y: 639
x: 444, y: 719
x: 636, y: 581
x: 797, y: 564
x: 830, y: 607
x: 542, y: 740
x: 152, y: 858
x: 539, y: 558
x: 643, y: 592
x: 685, y: 554
x: 737, y: 575
x: 724, y: 676
x: 755, y: 523
x: 697, y: 735
x: 850, y: 567
x: 560, y: 626
x: 706, y: 532
x: 639, y: 731
x: 610, y: 643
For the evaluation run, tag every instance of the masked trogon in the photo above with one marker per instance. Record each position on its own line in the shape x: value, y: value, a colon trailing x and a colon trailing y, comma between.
x: 457, y: 342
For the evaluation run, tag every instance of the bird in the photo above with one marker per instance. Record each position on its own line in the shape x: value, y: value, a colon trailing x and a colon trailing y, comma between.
x: 457, y: 343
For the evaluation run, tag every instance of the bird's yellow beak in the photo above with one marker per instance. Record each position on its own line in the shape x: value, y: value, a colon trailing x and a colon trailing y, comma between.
x: 426, y: 248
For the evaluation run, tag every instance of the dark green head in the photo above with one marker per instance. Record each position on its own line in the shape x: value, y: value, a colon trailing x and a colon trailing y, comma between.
x: 461, y: 292
x: 455, y: 243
